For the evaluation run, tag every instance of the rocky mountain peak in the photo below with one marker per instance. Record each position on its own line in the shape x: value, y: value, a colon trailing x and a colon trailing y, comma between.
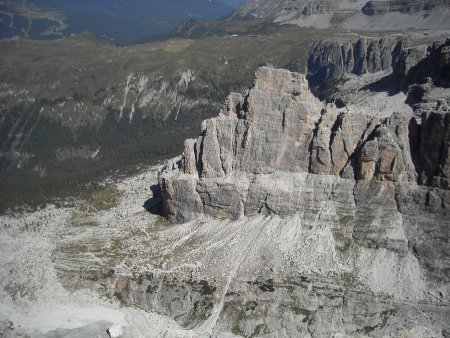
x: 374, y: 172
x: 280, y: 80
x: 279, y: 130
x: 278, y: 112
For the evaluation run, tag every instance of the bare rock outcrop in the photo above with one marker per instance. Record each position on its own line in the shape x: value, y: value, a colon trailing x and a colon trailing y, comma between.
x: 332, y: 58
x: 377, y: 180
x: 401, y: 6
x: 412, y: 59
x: 267, y: 147
x: 319, y: 7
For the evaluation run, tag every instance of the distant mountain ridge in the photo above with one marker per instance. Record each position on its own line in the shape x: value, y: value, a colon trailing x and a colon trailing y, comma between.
x: 123, y: 21
x: 233, y: 3
x: 358, y: 14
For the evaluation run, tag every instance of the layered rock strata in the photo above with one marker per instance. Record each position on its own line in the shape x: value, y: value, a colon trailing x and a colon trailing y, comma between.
x: 402, y: 6
x: 330, y: 59
x: 410, y: 58
x: 358, y: 14
x: 248, y: 160
x: 379, y: 180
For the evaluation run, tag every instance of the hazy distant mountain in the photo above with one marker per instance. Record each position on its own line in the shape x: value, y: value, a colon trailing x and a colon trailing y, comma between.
x: 355, y: 14
x: 121, y: 20
x: 233, y: 3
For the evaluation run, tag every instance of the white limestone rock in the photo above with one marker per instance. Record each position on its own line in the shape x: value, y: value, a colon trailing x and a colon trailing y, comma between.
x: 115, y: 331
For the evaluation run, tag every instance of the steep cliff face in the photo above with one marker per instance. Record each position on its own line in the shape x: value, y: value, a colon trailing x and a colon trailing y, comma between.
x: 374, y: 174
x: 422, y: 73
x: 279, y: 128
x: 330, y: 59
x: 411, y: 58
x: 268, y: 129
x: 402, y: 6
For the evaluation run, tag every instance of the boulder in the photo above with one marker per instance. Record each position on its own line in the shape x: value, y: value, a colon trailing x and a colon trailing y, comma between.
x: 115, y: 331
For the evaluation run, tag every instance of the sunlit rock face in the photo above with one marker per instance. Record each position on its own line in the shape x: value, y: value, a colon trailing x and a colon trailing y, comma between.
x: 360, y: 191
x: 245, y: 160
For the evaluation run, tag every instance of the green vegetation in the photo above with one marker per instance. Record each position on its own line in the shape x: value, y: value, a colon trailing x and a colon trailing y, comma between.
x: 116, y: 247
x: 81, y: 248
x: 101, y: 249
x: 104, y: 199
x: 159, y: 224
x: 79, y: 219
x: 62, y: 101
x: 137, y: 277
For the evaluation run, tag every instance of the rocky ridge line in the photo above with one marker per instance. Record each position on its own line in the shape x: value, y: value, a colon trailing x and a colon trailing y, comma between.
x: 358, y: 15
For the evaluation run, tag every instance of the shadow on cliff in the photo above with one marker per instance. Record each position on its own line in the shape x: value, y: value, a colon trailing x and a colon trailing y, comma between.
x: 154, y: 204
x: 389, y: 84
x: 432, y: 69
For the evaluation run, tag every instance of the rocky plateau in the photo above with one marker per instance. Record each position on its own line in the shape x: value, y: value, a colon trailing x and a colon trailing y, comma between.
x: 289, y: 216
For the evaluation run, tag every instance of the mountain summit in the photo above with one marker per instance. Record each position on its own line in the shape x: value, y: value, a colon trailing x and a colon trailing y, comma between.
x: 356, y: 194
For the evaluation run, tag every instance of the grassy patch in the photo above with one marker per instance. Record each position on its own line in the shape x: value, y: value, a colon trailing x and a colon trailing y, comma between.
x: 105, y: 199
x: 101, y: 249
x: 79, y: 219
x: 76, y: 248
x: 160, y: 223
x: 117, y: 248
x: 176, y: 45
